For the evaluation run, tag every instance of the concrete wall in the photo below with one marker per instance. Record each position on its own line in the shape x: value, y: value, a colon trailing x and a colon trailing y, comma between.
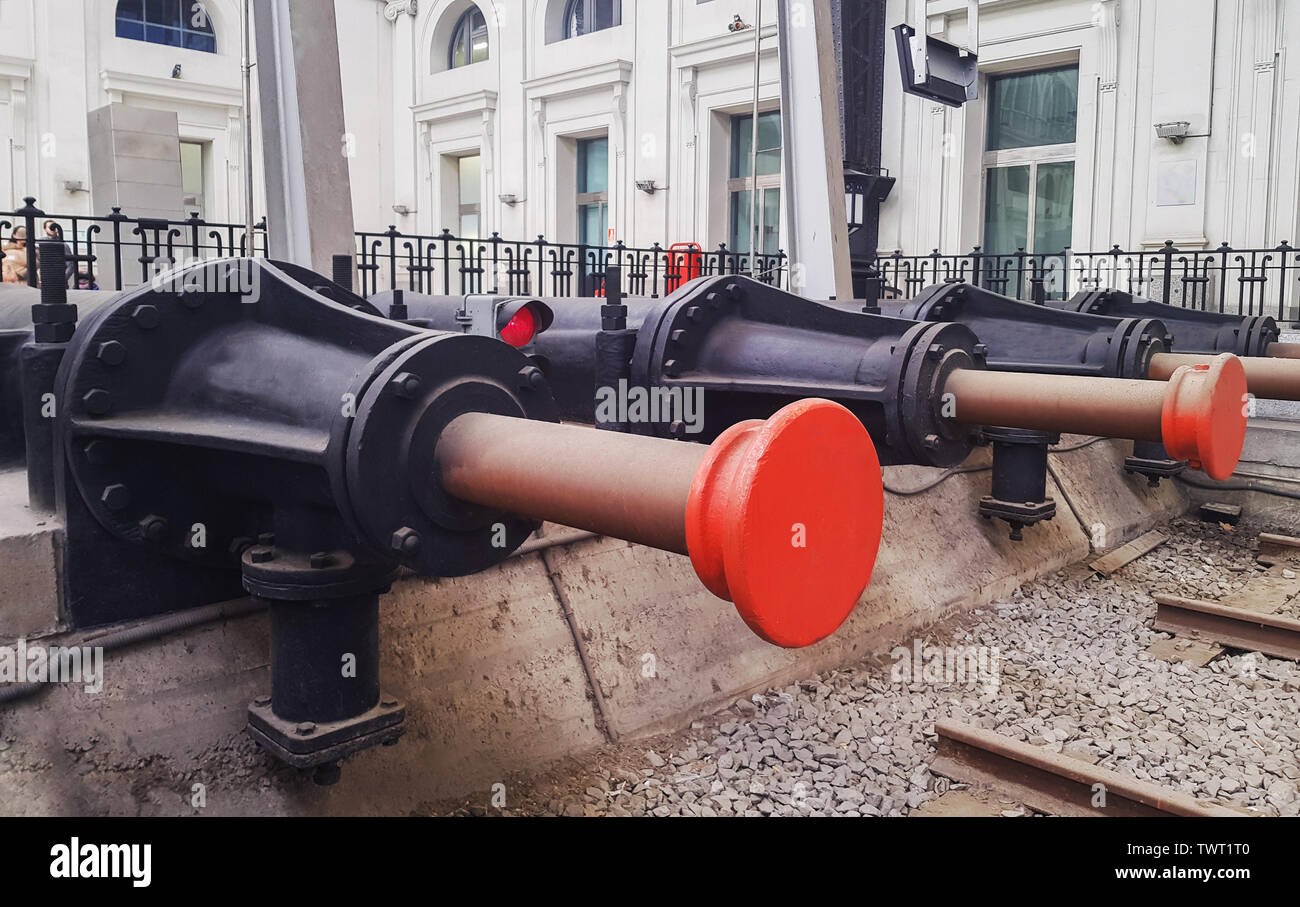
x: 490, y: 672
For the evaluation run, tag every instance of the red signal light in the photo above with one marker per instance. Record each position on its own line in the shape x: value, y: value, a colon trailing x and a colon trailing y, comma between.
x: 520, y: 329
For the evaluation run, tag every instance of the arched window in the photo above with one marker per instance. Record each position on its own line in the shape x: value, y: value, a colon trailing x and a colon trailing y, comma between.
x: 469, y: 40
x: 582, y: 17
x: 175, y: 23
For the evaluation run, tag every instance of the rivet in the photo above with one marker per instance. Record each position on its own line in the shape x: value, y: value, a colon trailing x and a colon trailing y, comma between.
x: 261, y: 555
x: 320, y: 560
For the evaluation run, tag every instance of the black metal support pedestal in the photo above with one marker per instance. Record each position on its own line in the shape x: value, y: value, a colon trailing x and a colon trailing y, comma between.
x: 1019, y: 478
x: 1150, y: 459
x: 325, y: 702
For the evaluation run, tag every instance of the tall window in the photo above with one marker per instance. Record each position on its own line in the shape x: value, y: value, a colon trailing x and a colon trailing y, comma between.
x: 746, y: 179
x: 469, y: 187
x: 194, y: 181
x: 176, y: 23
x: 469, y: 40
x: 1029, y: 161
x: 582, y: 17
x: 593, y: 191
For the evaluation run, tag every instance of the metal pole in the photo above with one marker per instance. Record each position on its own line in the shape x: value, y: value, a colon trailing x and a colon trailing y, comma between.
x: 753, y: 148
x: 246, y: 68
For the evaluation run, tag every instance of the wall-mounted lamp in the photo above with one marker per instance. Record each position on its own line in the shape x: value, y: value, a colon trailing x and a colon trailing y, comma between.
x: 74, y: 186
x: 509, y: 199
x: 649, y: 187
x: 1175, y: 131
x: 403, y: 210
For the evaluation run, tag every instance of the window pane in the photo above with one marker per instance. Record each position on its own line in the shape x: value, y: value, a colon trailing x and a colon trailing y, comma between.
x: 740, y: 223
x: 469, y: 226
x: 1006, y: 209
x: 163, y: 12
x: 191, y: 168
x: 130, y: 9
x: 769, y: 144
x: 742, y: 143
x: 1033, y: 108
x: 127, y: 29
x: 591, y: 224
x: 469, y: 179
x: 771, y: 221
x: 1053, y: 206
x: 479, y: 39
x: 593, y: 165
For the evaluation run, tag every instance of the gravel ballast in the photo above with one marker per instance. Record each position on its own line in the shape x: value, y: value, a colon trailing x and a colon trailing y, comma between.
x: 1064, y: 667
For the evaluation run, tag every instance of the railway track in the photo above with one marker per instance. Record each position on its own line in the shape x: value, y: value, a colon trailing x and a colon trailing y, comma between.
x: 1053, y: 783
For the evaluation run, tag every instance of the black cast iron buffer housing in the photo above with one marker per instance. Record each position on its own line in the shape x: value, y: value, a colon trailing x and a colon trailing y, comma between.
x: 1028, y: 338
x: 280, y: 430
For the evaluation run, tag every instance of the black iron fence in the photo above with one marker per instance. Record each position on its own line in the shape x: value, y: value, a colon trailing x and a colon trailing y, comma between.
x: 1224, y: 279
x: 116, y: 251
x: 451, y: 265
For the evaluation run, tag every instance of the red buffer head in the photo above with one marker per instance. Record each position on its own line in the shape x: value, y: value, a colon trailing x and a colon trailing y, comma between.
x: 785, y: 518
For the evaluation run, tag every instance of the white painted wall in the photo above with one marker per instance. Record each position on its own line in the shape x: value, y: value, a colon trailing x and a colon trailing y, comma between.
x: 1222, y: 65
x: 662, y: 86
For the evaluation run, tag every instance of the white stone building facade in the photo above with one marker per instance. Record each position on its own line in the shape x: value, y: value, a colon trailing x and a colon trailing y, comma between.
x: 565, y: 119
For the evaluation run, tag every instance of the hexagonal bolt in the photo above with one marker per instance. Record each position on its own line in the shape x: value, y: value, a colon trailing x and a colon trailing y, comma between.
x: 530, y: 376
x: 678, y: 336
x: 154, y: 528
x: 261, y: 555
x: 935, y: 351
x: 931, y: 442
x: 388, y: 703
x: 405, y: 385
x: 96, y: 452
x: 111, y: 352
x: 305, y: 728
x: 733, y: 290
x: 115, y: 497
x: 406, y: 540
x: 262, y: 701
x: 694, y: 312
x: 97, y: 401
x: 981, y: 351
x: 320, y: 560
x: 146, y: 316
x: 671, y: 368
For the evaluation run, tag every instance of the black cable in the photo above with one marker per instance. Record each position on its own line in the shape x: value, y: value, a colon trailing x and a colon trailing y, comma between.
x: 911, y: 492
x: 1242, y: 486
